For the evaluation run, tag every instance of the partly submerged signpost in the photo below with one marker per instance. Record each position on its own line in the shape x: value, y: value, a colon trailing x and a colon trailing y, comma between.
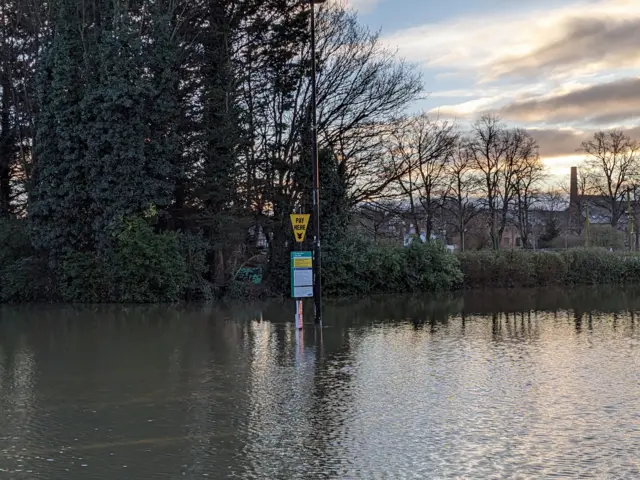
x: 301, y: 267
x: 301, y: 274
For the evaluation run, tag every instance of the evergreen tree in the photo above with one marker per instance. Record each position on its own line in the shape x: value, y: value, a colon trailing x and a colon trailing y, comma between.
x: 128, y: 114
x: 60, y: 202
x: 551, y: 232
x: 216, y: 181
x: 194, y: 110
x: 105, y: 135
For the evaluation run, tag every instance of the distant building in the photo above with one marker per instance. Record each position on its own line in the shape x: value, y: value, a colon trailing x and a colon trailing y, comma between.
x: 579, y: 204
x: 598, y: 208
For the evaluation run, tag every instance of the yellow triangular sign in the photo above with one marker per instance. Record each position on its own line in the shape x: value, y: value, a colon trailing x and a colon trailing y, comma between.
x: 299, y: 222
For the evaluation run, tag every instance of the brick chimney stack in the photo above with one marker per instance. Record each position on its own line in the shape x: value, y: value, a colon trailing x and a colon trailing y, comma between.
x: 573, y: 191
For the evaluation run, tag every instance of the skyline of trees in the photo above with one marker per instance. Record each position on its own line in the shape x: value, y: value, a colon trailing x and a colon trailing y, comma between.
x: 495, y: 173
x: 186, y: 124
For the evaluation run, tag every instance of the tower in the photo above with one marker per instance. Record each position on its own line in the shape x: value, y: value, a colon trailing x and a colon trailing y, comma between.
x: 574, y: 201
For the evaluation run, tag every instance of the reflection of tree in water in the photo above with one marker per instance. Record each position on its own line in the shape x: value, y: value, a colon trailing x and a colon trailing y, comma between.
x: 521, y: 325
x: 417, y: 310
x: 496, y: 327
x: 433, y: 310
x: 227, y: 379
x: 578, y: 314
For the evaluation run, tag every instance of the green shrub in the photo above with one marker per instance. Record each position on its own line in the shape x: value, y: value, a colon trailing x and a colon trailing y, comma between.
x: 146, y: 266
x: 518, y: 267
x: 345, y: 268
x: 593, y: 266
x: 25, y: 280
x: 525, y: 268
x: 358, y: 267
x: 82, y: 277
x: 631, y: 269
x: 504, y: 268
x: 550, y: 268
x: 430, y: 268
x: 24, y: 274
x: 142, y: 267
x: 195, y: 249
x: 478, y: 268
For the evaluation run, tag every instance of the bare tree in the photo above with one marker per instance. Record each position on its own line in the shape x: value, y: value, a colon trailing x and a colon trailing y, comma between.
x: 497, y: 153
x: 421, y: 151
x: 527, y: 177
x: 402, y: 157
x: 362, y: 87
x: 613, y: 161
x: 464, y: 185
x: 487, y: 149
x: 373, y: 216
x: 554, y: 199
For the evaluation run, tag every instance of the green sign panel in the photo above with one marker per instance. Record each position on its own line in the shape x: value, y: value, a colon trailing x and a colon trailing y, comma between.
x: 301, y: 274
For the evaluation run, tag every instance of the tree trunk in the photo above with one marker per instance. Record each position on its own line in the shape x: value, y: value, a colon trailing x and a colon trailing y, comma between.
x: 6, y: 151
x: 218, y: 268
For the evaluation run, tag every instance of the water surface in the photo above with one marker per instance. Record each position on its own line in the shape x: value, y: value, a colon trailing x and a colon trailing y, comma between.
x: 520, y: 384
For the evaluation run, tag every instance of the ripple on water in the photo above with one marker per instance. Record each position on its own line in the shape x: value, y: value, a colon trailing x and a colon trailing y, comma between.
x: 482, y: 398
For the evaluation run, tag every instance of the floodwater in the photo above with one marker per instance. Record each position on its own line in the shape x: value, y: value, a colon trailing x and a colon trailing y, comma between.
x: 520, y: 384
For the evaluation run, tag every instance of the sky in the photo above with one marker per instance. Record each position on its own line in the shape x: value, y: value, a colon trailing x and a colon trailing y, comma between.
x: 561, y: 68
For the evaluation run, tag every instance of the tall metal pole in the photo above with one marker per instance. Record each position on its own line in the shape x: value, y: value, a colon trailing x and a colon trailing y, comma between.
x: 317, y: 267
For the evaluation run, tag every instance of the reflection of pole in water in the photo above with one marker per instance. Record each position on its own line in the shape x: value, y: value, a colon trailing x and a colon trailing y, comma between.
x: 300, y: 345
x: 299, y: 315
x: 319, y: 341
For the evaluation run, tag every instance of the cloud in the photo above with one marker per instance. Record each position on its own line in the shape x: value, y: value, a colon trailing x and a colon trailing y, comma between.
x: 576, y: 38
x: 463, y: 111
x: 602, y: 105
x: 562, y: 72
x: 563, y: 143
x: 588, y: 44
x: 363, y: 6
x: 560, y: 167
x: 556, y: 143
